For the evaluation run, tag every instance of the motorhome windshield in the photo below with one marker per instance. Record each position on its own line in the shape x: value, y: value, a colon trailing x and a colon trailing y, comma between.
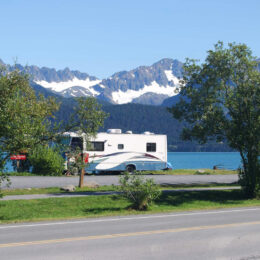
x: 76, y: 142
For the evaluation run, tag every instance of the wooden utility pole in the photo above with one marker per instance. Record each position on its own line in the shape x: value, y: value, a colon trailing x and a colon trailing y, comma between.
x: 82, y: 172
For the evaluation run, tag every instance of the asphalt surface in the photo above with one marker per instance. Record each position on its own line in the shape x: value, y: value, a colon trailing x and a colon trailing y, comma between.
x: 219, y: 234
x: 21, y: 182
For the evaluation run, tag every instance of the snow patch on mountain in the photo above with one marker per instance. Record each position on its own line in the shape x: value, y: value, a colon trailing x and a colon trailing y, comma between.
x: 171, y: 77
x: 61, y: 86
x: 76, y: 92
x: 123, y: 97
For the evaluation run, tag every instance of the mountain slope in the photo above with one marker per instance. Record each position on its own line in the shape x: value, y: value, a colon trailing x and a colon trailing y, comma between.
x: 132, y: 86
x: 145, y: 84
x: 140, y: 118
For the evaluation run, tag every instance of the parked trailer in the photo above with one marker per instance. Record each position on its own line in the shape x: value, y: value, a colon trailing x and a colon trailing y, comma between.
x: 117, y: 151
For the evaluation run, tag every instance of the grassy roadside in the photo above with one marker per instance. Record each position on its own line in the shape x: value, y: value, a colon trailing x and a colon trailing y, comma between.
x: 53, y: 190
x: 110, y: 205
x: 192, y: 172
x: 167, y: 172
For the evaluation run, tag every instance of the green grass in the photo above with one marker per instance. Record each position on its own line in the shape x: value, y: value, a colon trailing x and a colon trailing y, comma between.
x: 190, y: 186
x: 110, y: 205
x: 168, y: 172
x: 53, y: 190
x: 193, y: 172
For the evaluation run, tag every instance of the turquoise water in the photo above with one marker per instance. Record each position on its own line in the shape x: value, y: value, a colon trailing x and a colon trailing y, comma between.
x: 8, y: 166
x: 207, y: 160
x: 197, y: 160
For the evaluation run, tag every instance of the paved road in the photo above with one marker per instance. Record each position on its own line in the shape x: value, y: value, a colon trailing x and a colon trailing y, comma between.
x: 220, y: 234
x: 21, y: 182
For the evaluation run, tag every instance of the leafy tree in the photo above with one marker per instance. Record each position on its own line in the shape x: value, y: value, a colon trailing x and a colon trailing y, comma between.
x: 24, y: 117
x: 221, y: 100
x: 86, y: 119
x: 3, y: 176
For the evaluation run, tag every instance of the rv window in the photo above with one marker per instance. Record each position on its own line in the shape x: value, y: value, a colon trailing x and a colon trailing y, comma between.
x: 151, y: 147
x: 120, y: 146
x: 96, y: 146
x: 76, y: 142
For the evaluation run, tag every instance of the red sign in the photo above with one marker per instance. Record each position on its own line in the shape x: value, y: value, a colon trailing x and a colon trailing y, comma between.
x: 86, y: 157
x: 18, y: 157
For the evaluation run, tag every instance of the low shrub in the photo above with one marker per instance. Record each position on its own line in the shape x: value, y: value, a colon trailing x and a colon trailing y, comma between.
x: 4, y: 177
x: 46, y: 161
x: 140, y: 191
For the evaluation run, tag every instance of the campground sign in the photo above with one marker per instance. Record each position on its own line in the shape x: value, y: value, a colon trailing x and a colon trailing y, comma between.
x: 18, y: 157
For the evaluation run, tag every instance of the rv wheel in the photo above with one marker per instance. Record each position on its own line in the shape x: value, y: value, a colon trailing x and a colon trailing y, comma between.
x: 130, y: 168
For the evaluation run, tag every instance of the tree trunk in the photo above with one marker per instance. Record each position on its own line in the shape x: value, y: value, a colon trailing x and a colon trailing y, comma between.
x: 81, y: 179
x: 82, y: 173
x: 250, y: 178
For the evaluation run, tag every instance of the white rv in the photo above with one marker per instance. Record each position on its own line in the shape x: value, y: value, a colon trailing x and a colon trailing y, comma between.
x: 117, y: 151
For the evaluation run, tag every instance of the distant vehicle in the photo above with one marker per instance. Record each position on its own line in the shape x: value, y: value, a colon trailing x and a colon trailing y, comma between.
x: 117, y: 151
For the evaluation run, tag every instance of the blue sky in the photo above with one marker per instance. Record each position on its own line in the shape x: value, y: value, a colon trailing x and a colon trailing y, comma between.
x: 102, y: 37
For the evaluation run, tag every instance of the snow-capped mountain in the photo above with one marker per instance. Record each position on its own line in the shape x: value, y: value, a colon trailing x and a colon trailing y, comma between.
x: 145, y: 85
x: 72, y: 88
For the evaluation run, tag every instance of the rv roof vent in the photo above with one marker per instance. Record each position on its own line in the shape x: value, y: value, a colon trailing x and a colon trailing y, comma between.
x: 114, y: 131
x: 148, y: 133
x: 128, y: 132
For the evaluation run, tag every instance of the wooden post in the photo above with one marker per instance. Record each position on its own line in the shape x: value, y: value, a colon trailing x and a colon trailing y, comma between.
x: 17, y: 165
x: 82, y: 173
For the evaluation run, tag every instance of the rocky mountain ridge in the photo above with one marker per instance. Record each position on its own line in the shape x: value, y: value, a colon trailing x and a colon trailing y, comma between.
x: 144, y: 85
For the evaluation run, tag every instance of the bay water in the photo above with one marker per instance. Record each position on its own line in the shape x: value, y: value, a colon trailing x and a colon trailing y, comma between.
x: 204, y: 160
